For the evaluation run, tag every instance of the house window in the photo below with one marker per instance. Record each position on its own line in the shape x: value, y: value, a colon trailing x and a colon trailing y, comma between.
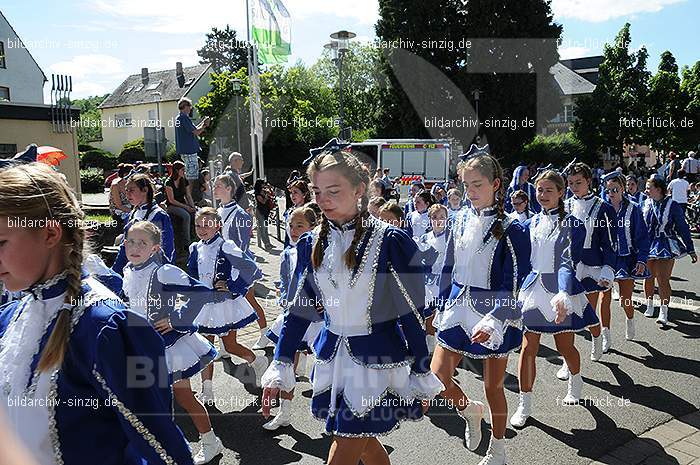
x: 569, y: 114
x: 4, y: 93
x: 8, y: 150
x: 3, y: 63
x: 123, y: 120
x: 153, y: 86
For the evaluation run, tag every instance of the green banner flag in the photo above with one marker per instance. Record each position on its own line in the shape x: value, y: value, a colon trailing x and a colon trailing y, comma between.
x: 271, y: 31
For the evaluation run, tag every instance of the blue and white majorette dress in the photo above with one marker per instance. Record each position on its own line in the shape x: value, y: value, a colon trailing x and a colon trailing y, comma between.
x: 236, y: 225
x: 153, y: 214
x: 92, y: 409
x: 153, y: 290
x: 432, y: 247
x: 219, y: 260
x: 638, y: 197
x: 479, y: 284
x: 95, y: 267
x: 598, y: 256
x: 372, y: 363
x: 556, y: 250
x: 417, y: 223
x: 632, y: 241
x: 668, y: 229
x: 521, y: 217
x: 287, y: 267
x: 528, y: 188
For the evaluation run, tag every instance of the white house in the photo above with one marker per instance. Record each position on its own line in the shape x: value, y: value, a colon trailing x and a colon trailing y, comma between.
x: 138, y: 101
x: 21, y: 78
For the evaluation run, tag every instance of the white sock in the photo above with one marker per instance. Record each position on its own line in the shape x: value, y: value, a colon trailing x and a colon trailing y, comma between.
x: 208, y: 436
x: 207, y: 384
x: 498, y: 445
x: 263, y: 331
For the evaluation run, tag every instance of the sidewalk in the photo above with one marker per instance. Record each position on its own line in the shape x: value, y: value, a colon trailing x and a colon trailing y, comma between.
x: 674, y: 442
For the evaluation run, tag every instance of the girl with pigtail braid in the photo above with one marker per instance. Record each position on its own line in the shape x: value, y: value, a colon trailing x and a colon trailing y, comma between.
x: 479, y: 314
x: 361, y: 277
x: 85, y: 338
x: 553, y: 300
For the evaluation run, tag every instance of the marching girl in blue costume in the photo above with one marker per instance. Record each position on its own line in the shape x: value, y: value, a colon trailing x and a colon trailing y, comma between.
x: 371, y: 369
x: 153, y: 289
x: 633, y: 244
x: 670, y: 240
x: 418, y: 222
x: 65, y: 346
x: 237, y: 226
x: 301, y: 220
x: 521, y: 207
x: 486, y: 260
x: 521, y: 175
x: 140, y: 191
x: 432, y: 246
x: 596, y: 270
x: 553, y: 299
x: 633, y: 192
x: 300, y: 195
x: 221, y: 265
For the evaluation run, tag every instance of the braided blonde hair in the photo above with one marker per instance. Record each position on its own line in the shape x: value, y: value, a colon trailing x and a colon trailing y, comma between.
x: 36, y: 192
x: 491, y: 169
x: 352, y: 169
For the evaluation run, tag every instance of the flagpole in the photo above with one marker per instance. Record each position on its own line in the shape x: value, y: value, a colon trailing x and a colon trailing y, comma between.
x: 253, y: 145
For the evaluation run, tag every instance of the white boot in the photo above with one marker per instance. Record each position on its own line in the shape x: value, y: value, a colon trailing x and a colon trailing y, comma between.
x: 496, y: 453
x: 263, y: 341
x: 563, y: 373
x: 283, y: 417
x: 259, y: 365
x: 573, y: 394
x: 650, y: 308
x: 211, y: 447
x: 431, y: 341
x: 663, y: 315
x: 596, y: 348
x: 472, y: 414
x: 523, y: 412
x: 207, y: 396
x: 607, y: 340
x: 629, y: 329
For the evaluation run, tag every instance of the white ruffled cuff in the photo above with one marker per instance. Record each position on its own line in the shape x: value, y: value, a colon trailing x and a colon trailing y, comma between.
x: 563, y: 297
x: 279, y: 375
x: 425, y: 386
x: 492, y: 326
x: 607, y: 274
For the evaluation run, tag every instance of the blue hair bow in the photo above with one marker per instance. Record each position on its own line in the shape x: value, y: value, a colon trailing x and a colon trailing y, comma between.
x: 475, y: 151
x: 28, y: 156
x: 333, y: 145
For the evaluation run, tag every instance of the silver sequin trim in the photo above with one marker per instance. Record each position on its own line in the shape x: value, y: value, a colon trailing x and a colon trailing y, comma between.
x: 406, y: 296
x: 474, y: 356
x: 134, y: 421
x: 53, y: 429
x: 380, y: 229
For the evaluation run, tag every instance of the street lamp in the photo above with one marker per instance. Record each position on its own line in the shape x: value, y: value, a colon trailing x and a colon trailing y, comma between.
x: 339, y: 46
x: 236, y: 87
x: 158, y: 97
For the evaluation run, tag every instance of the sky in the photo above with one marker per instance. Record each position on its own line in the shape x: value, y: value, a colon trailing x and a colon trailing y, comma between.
x: 101, y: 42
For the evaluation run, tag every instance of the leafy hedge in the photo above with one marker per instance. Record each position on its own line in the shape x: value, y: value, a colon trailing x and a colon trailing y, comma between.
x: 92, y: 180
x: 97, y: 158
x: 133, y: 151
x: 557, y: 149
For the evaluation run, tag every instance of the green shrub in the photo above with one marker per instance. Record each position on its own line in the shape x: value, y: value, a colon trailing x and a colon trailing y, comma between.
x: 98, y: 158
x: 133, y: 151
x: 92, y: 180
x: 171, y: 154
x: 557, y: 149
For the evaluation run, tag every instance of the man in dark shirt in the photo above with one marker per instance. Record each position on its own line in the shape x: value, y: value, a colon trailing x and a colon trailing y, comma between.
x: 235, y: 161
x: 186, y: 133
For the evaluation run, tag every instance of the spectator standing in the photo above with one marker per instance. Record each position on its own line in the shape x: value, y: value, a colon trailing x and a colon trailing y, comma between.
x: 119, y: 206
x: 691, y: 166
x: 235, y: 161
x: 186, y: 134
x: 264, y: 204
x: 180, y: 203
x: 678, y: 188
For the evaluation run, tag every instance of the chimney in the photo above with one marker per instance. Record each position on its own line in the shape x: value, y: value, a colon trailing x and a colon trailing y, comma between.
x: 179, y: 74
x: 144, y: 75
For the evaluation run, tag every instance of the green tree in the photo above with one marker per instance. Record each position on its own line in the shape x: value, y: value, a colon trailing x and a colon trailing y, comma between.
x: 666, y: 102
x: 90, y: 128
x: 223, y: 50
x: 506, y: 72
x: 690, y: 89
x: 610, y: 116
